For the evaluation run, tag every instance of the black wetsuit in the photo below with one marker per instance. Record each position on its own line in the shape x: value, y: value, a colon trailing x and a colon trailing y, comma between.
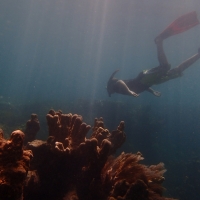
x: 154, y: 76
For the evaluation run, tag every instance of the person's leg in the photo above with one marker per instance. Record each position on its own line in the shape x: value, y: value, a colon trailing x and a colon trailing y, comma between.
x: 161, y: 54
x: 187, y: 63
x: 181, y: 24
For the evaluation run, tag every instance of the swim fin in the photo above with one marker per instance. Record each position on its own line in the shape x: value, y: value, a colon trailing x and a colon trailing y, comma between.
x: 180, y: 25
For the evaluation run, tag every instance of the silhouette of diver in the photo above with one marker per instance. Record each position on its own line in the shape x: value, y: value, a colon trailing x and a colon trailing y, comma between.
x: 162, y: 73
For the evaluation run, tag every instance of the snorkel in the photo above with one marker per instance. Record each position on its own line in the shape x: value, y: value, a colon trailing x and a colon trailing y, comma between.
x: 111, y: 83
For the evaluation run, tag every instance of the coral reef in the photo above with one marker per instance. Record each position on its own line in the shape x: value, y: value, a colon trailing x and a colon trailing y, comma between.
x: 32, y: 128
x: 70, y: 166
x: 124, y: 178
x: 14, y: 165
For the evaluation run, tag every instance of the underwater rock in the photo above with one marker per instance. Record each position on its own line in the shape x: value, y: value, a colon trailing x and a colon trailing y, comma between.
x: 32, y: 127
x: 14, y: 166
x: 70, y: 166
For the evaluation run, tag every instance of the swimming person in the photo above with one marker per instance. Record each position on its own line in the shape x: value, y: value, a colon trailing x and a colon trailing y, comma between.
x: 162, y: 73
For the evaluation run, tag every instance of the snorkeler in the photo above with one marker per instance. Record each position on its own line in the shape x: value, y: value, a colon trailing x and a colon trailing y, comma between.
x: 162, y: 73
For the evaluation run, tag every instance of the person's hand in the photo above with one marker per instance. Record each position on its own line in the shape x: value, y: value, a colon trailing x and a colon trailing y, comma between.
x: 156, y: 93
x: 135, y: 94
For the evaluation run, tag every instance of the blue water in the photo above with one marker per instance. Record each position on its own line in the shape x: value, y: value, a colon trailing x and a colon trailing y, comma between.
x: 65, y: 50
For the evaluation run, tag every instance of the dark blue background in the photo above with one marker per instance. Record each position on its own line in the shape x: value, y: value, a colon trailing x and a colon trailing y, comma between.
x: 66, y: 50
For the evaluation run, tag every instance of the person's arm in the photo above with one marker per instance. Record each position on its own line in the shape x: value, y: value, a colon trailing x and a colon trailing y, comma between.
x: 156, y: 93
x: 122, y: 88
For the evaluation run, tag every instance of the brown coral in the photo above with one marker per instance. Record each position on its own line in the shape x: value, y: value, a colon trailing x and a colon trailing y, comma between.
x: 67, y: 128
x: 70, y: 166
x: 116, y: 137
x: 14, y: 165
x: 124, y: 178
x: 32, y: 127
